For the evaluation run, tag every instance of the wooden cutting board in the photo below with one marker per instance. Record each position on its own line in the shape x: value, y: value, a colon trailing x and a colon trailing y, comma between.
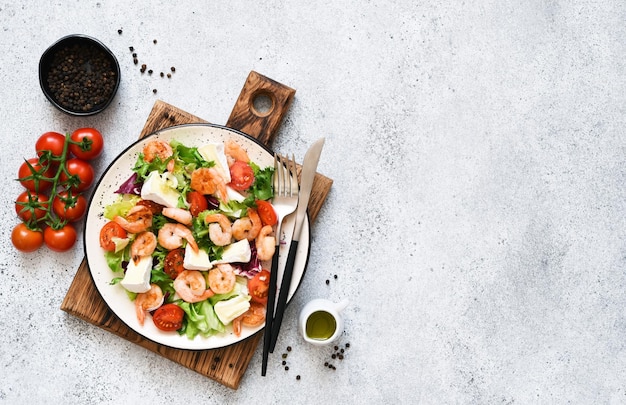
x: 226, y: 365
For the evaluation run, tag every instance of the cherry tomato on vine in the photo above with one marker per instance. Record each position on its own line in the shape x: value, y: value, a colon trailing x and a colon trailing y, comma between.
x: 50, y: 141
x: 40, y: 171
x: 259, y: 287
x: 89, y: 143
x: 69, y: 208
x: 266, y: 212
x: 82, y: 169
x: 30, y: 203
x: 168, y: 317
x: 109, y: 231
x: 197, y: 202
x: 60, y: 240
x: 26, y: 240
x: 242, y: 176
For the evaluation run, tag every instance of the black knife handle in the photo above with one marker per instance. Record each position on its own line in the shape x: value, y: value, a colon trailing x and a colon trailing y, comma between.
x: 285, y: 286
x: 269, y: 313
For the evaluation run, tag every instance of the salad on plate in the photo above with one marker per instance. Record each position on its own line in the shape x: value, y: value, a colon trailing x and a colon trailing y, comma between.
x: 187, y: 237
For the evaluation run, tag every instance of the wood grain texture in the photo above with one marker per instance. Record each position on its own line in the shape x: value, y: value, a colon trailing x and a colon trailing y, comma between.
x: 261, y: 125
x: 226, y: 365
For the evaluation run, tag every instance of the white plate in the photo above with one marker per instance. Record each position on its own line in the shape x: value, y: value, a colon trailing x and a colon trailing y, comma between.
x: 104, y: 194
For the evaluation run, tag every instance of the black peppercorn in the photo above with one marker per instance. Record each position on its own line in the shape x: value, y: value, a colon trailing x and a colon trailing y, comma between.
x: 119, y: 32
x: 327, y: 282
x: 298, y: 377
x: 81, y: 77
x: 131, y: 48
x: 154, y: 91
x: 173, y: 69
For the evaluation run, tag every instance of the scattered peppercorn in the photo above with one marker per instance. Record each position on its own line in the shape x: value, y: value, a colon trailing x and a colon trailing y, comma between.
x: 154, y: 41
x: 169, y: 75
x: 154, y: 91
x: 288, y: 348
x: 347, y: 344
x: 150, y: 71
x: 286, y: 368
x: 298, y: 377
x: 336, y: 347
x: 135, y: 61
x: 284, y: 355
x: 131, y: 48
x: 335, y: 277
x: 173, y: 69
x: 81, y: 77
x: 327, y: 282
x: 119, y: 32
x: 284, y: 362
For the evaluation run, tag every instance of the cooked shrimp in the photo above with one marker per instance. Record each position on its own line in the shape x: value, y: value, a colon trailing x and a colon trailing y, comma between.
x: 171, y: 236
x: 235, y: 152
x: 148, y: 301
x: 254, y: 316
x: 207, y: 180
x: 247, y: 227
x: 219, y: 229
x: 178, y: 214
x: 265, y: 243
x: 190, y: 285
x: 222, y: 278
x: 138, y: 219
x: 160, y: 149
x: 143, y: 245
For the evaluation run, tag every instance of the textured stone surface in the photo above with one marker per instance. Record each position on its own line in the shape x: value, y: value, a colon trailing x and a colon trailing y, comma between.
x: 476, y: 222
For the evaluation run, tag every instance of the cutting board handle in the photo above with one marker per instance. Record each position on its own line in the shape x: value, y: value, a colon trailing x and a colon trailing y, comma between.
x: 260, y: 108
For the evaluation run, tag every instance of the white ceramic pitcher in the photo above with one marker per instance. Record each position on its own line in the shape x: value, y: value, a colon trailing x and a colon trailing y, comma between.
x: 320, y: 321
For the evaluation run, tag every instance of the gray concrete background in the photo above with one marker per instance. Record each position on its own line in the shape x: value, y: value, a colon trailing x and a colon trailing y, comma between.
x: 476, y: 221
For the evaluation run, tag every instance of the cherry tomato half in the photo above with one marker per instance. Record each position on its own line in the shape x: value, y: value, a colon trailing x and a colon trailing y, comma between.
x: 50, y: 141
x: 89, y: 143
x: 242, y: 176
x: 259, y: 286
x: 71, y: 209
x: 109, y: 231
x: 34, y: 199
x: 60, y: 240
x: 82, y: 169
x: 266, y: 212
x: 38, y: 170
x: 26, y: 240
x: 173, y: 264
x: 168, y: 317
x: 197, y: 202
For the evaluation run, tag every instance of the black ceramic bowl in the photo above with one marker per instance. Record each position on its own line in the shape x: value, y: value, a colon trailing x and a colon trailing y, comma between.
x: 79, y: 75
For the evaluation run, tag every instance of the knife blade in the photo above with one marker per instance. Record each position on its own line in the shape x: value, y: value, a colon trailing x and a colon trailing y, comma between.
x: 309, y: 168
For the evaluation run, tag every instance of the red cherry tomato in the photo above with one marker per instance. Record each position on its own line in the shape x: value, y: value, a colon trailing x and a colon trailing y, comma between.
x: 82, y: 169
x: 168, y: 317
x: 50, y: 141
x: 241, y: 175
x: 38, y: 170
x: 70, y: 209
x: 28, y: 197
x: 259, y: 286
x: 89, y: 143
x: 26, y: 240
x: 109, y: 231
x: 266, y: 212
x: 197, y: 202
x: 173, y: 264
x: 60, y: 240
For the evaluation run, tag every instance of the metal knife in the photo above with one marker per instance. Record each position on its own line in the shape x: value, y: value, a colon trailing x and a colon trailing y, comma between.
x: 309, y: 168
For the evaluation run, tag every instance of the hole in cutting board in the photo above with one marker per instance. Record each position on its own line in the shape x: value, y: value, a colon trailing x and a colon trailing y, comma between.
x: 262, y: 104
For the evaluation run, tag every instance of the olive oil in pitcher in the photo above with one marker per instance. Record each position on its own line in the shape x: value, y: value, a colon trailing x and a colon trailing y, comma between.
x: 320, y: 325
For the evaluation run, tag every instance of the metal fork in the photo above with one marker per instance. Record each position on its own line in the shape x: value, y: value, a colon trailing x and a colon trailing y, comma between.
x: 284, y: 202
